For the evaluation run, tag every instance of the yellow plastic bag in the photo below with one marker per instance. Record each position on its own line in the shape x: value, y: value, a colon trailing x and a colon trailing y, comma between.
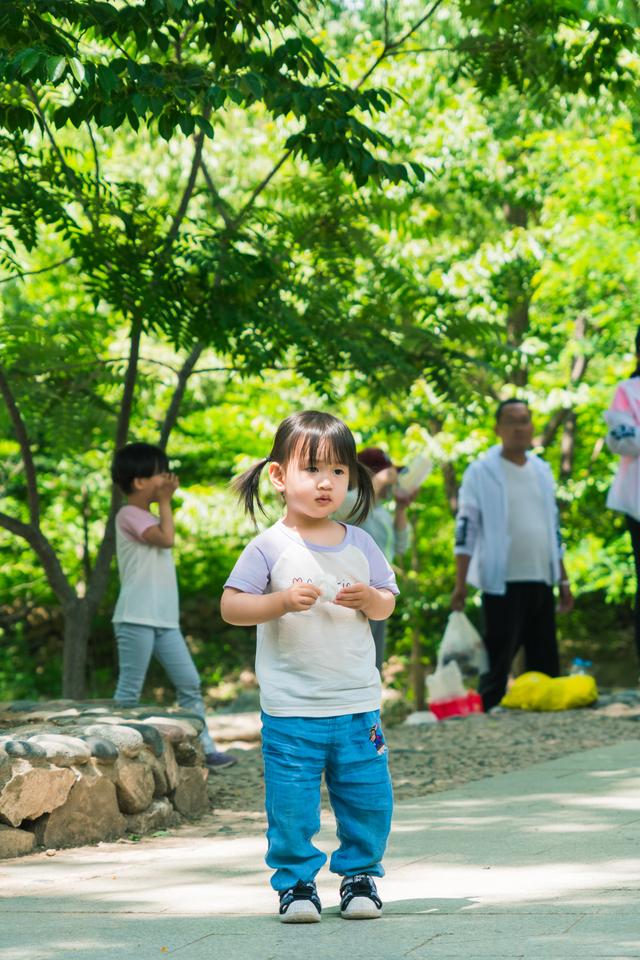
x: 537, y: 691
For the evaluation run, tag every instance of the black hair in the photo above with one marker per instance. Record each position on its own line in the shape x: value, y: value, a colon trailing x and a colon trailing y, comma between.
x: 509, y: 403
x: 305, y: 435
x: 636, y: 372
x: 137, y: 460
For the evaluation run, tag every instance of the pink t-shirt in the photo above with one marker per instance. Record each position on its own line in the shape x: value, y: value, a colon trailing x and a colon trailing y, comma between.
x: 148, y: 583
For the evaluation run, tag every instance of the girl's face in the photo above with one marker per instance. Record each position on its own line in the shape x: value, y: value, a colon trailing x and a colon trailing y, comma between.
x: 311, y: 491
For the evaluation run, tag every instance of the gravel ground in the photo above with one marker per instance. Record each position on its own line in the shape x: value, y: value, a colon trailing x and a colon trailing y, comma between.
x: 430, y: 758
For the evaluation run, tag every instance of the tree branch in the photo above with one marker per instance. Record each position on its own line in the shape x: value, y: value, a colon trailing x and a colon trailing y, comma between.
x: 96, y: 158
x: 181, y: 212
x: 178, y: 393
x: 69, y: 173
x: 237, y: 220
x: 46, y: 554
x: 221, y: 205
x: 22, y: 437
x: 33, y: 273
x: 409, y: 50
x: 395, y: 44
x: 16, y: 527
x: 387, y: 51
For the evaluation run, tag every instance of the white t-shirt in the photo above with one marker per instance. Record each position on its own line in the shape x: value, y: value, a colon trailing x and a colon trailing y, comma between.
x: 148, y: 583
x: 318, y: 662
x: 529, y: 556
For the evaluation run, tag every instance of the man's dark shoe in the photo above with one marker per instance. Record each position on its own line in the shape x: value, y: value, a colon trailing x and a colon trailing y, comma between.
x: 359, y: 898
x: 300, y: 904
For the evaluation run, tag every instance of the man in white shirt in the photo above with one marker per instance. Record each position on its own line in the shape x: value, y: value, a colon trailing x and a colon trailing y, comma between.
x: 508, y: 544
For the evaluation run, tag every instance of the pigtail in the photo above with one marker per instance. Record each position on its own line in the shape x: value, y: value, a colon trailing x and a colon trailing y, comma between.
x: 247, y: 486
x: 366, y: 496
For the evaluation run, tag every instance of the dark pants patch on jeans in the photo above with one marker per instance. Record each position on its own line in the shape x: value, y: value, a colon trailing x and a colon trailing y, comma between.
x: 523, y: 617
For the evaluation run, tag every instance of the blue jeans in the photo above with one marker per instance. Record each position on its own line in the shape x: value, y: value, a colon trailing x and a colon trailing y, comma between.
x: 137, y: 643
x: 296, y: 750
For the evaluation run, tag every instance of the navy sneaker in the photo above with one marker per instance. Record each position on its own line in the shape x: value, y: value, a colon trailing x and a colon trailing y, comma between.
x: 359, y: 898
x: 300, y: 904
x: 218, y: 760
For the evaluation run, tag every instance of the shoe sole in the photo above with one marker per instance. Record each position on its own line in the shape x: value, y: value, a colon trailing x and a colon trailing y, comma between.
x: 361, y: 908
x: 221, y: 766
x: 300, y: 911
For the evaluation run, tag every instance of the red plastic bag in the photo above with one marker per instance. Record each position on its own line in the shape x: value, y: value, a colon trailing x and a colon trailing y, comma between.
x: 457, y: 706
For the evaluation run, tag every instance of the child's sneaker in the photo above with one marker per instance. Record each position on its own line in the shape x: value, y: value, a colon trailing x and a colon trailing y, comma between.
x: 359, y: 898
x: 300, y: 904
x: 217, y: 760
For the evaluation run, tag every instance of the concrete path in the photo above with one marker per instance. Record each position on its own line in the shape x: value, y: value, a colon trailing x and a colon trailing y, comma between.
x: 542, y: 864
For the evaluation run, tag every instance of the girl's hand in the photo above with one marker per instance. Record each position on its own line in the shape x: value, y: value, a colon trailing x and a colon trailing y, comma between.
x: 300, y: 597
x: 168, y: 487
x: 357, y: 597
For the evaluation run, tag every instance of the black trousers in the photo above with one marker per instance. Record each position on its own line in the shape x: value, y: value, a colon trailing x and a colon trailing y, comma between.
x: 634, y: 530
x: 524, y: 616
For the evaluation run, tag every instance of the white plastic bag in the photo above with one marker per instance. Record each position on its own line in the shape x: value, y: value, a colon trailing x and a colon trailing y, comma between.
x: 446, y: 683
x: 462, y: 642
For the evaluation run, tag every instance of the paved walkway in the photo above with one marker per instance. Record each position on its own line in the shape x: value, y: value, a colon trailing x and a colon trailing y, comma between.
x: 542, y: 864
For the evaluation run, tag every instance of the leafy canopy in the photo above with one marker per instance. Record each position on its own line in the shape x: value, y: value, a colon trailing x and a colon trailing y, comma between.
x: 176, y: 64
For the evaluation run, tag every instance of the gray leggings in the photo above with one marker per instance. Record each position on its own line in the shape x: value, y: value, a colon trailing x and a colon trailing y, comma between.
x: 137, y: 643
x: 379, y: 631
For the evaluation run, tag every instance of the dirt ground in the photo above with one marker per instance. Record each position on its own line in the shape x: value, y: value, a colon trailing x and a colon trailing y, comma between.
x: 425, y: 759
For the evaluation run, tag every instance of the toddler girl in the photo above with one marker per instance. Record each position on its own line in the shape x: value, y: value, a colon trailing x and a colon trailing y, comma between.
x: 311, y: 585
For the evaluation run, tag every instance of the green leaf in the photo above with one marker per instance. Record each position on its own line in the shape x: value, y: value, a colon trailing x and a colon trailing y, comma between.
x: 28, y: 60
x: 56, y: 67
x: 76, y: 69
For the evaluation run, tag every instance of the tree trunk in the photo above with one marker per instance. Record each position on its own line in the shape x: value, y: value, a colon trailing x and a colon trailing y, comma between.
x: 77, y: 627
x: 417, y: 669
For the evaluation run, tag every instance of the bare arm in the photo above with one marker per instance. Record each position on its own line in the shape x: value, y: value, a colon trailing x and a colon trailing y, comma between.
x: 566, y: 597
x: 460, y: 590
x: 249, y: 609
x: 163, y: 533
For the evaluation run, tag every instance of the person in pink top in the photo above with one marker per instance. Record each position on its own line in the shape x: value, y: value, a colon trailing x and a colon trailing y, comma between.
x: 147, y: 615
x: 623, y: 439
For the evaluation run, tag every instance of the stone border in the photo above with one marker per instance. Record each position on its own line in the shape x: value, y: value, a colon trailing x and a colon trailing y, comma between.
x: 75, y: 773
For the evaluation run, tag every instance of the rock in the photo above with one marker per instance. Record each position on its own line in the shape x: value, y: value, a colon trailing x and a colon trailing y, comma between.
x: 23, y: 749
x: 170, y: 765
x: 15, y: 843
x: 175, y: 730
x: 161, y: 785
x: 32, y: 791
x: 190, y: 796
x: 104, y: 750
x: 128, y: 741
x: 177, y: 715
x: 160, y: 814
x: 62, y: 750
x: 90, y: 814
x: 135, y: 785
x: 151, y: 736
x: 189, y: 753
x: 192, y: 719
